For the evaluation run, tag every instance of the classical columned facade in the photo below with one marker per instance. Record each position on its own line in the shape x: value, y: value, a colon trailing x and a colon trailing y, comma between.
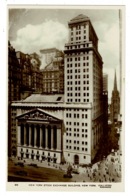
x: 39, y: 137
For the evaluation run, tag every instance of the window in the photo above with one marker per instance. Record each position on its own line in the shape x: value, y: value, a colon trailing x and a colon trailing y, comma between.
x: 68, y: 155
x: 59, y: 98
x: 84, y: 157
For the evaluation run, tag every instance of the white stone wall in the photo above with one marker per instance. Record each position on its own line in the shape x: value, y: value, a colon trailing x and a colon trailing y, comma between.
x: 57, y: 154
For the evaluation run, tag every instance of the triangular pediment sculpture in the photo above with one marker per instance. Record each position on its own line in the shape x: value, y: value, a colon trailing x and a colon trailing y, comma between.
x: 38, y: 114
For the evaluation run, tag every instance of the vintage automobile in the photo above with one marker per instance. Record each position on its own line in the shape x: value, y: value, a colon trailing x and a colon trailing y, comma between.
x: 19, y: 164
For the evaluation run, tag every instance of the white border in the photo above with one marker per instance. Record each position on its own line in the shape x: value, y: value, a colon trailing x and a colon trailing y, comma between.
x: 3, y: 82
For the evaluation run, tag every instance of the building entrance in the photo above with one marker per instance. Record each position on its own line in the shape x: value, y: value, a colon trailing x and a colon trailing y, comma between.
x: 76, y: 159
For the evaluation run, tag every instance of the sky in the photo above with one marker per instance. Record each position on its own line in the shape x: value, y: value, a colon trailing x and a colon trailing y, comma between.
x: 31, y: 30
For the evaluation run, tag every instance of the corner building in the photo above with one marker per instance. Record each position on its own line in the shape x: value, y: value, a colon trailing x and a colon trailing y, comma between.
x: 83, y: 92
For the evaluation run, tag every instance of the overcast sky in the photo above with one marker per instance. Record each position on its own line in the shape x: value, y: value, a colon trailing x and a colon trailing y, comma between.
x: 33, y: 29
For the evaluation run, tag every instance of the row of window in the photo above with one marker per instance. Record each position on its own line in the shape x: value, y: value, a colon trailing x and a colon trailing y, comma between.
x: 77, y: 65
x: 77, y: 88
x: 77, y: 70
x: 77, y: 100
x: 76, y: 148
x: 78, y: 32
x: 70, y: 47
x: 77, y: 142
x: 69, y: 115
x: 77, y: 94
x: 78, y: 27
x: 78, y: 38
x: 77, y: 58
x: 43, y: 153
x: 77, y: 135
x: 76, y: 129
x: 78, y: 82
x: 83, y: 124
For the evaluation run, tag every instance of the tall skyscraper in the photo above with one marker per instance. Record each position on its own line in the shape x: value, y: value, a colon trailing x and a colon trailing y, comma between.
x: 83, y: 92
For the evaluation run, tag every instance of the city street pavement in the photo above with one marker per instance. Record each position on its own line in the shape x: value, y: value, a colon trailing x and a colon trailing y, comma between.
x: 107, y: 170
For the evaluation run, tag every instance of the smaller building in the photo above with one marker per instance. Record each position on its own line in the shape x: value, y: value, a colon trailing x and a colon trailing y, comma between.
x: 31, y: 76
x: 53, y: 74
x: 105, y: 82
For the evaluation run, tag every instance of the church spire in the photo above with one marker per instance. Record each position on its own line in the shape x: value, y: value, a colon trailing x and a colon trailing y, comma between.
x: 115, y: 82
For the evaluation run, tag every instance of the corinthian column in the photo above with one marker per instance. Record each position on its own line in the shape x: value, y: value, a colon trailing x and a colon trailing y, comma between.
x: 41, y: 137
x: 30, y: 135
x: 46, y: 143
x: 35, y: 136
x: 52, y: 138
x: 58, y: 139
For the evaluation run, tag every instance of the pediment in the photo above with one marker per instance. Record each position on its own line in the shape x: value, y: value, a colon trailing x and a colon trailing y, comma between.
x: 38, y: 115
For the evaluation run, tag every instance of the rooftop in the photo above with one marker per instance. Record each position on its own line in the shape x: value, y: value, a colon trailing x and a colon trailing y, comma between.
x: 79, y: 18
x: 41, y: 98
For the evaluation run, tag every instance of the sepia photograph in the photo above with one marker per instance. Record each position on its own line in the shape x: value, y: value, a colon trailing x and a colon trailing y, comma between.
x: 65, y: 96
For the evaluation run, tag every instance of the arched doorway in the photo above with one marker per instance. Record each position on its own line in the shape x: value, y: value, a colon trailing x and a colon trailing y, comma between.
x: 76, y: 159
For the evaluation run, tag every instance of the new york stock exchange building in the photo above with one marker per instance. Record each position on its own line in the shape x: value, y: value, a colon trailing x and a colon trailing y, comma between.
x: 49, y: 130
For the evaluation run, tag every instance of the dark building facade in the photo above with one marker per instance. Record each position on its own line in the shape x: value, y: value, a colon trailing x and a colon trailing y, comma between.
x: 115, y: 102
x: 14, y: 85
x: 105, y: 103
x: 24, y: 77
